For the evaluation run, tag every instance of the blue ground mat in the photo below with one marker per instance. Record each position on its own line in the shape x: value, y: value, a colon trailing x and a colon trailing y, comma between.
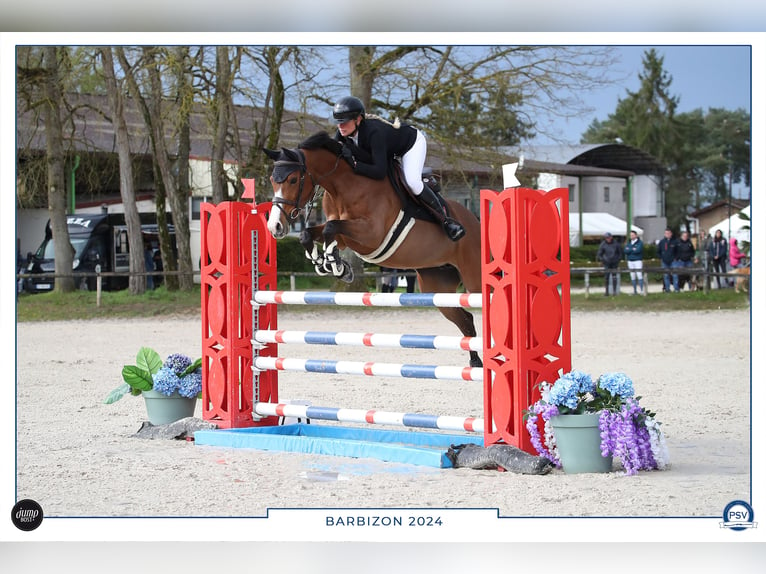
x: 412, y: 447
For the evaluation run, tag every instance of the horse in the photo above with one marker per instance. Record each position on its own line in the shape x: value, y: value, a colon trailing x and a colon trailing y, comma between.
x: 367, y: 216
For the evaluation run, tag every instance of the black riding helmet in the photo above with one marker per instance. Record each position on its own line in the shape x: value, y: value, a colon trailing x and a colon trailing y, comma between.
x: 347, y: 108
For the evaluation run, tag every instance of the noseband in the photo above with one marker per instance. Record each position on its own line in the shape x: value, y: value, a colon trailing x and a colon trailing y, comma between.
x: 282, y: 170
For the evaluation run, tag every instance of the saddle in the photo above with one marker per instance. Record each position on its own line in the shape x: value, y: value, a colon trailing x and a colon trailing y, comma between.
x: 411, y: 209
x: 410, y: 204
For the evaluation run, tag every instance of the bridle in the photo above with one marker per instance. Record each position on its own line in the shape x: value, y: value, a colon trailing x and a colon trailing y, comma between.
x: 288, y: 167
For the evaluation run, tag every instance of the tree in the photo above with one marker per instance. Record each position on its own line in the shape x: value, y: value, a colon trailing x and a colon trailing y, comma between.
x: 645, y: 119
x: 54, y: 147
x: 497, y: 88
x: 703, y: 152
x: 269, y: 62
x: 222, y: 108
x: 725, y: 151
x: 39, y: 74
x: 176, y: 194
x: 154, y: 119
x: 137, y: 283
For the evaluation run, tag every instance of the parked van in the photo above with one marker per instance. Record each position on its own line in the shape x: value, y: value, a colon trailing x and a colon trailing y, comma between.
x: 100, y: 239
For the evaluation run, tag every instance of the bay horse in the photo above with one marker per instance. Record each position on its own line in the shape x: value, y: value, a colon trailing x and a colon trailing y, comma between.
x: 367, y: 216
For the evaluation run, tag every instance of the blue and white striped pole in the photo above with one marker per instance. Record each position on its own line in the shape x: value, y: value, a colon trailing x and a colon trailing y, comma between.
x: 370, y: 416
x: 371, y: 369
x: 369, y: 340
x: 367, y: 299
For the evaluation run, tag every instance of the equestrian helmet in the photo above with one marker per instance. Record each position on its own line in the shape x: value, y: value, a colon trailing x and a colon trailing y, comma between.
x: 347, y: 108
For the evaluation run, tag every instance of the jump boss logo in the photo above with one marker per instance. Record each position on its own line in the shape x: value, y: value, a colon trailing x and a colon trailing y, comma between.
x: 738, y: 515
x: 26, y: 515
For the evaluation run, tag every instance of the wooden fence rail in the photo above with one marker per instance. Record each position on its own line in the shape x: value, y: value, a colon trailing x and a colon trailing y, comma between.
x: 585, y: 272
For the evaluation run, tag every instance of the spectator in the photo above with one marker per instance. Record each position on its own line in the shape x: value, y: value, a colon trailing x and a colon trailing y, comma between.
x: 157, y: 259
x: 610, y: 254
x: 736, y: 257
x: 686, y: 252
x: 21, y: 265
x: 704, y: 241
x: 667, y: 249
x: 703, y: 247
x: 149, y: 263
x: 389, y: 280
x: 634, y: 253
x: 410, y: 278
x: 719, y: 253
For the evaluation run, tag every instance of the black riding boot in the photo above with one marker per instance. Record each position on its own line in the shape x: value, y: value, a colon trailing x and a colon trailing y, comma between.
x: 452, y: 228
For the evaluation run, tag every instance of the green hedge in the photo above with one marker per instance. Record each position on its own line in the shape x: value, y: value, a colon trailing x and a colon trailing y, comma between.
x: 291, y: 257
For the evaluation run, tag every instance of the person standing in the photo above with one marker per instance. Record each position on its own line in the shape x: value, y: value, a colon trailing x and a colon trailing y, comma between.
x: 389, y: 280
x: 610, y: 254
x: 149, y: 264
x: 686, y: 252
x: 703, y: 248
x: 634, y: 254
x: 667, y: 249
x: 736, y: 257
x: 719, y: 253
x: 704, y: 241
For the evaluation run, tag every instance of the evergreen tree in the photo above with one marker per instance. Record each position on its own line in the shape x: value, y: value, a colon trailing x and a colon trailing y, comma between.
x: 703, y: 153
x: 646, y: 119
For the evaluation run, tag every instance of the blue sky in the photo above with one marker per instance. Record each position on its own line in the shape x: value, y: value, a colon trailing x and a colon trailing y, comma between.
x: 702, y: 77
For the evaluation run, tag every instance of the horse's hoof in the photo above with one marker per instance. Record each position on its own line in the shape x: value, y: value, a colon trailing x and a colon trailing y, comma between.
x: 476, y: 363
x: 348, y: 273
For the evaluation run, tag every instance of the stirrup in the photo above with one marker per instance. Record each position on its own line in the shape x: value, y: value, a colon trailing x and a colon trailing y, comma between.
x: 453, y: 229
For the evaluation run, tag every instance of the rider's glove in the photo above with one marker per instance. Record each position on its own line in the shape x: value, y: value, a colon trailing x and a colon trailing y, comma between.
x: 348, y: 155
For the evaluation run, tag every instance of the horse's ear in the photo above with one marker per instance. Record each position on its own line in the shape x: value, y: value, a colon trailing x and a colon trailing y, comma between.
x: 273, y: 154
x: 291, y: 154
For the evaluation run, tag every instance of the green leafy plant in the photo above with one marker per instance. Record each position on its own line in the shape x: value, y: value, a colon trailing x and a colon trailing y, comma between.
x: 177, y: 374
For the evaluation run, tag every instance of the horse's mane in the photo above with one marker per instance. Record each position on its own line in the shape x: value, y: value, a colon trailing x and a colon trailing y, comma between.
x: 321, y: 140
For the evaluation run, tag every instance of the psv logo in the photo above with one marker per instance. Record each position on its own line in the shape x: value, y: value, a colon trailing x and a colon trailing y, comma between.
x: 738, y: 515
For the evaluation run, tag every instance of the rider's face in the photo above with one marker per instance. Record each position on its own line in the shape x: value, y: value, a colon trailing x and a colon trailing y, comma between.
x: 348, y: 127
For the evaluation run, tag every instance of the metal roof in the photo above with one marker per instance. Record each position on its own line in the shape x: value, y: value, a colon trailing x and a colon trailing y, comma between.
x: 92, y: 131
x: 614, y: 156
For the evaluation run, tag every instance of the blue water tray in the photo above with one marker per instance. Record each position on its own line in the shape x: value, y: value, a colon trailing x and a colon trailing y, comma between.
x: 412, y: 447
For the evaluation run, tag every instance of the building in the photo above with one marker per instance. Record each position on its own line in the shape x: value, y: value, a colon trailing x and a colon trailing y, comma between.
x: 616, y: 179
x: 706, y: 217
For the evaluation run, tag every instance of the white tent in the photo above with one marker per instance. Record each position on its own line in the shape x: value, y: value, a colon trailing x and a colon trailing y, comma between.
x: 595, y: 224
x: 736, y: 226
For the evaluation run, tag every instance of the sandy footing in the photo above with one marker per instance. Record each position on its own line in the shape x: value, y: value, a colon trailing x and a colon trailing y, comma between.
x: 77, y: 456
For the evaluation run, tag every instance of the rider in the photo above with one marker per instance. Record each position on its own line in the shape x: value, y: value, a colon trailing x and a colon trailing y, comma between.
x: 369, y: 143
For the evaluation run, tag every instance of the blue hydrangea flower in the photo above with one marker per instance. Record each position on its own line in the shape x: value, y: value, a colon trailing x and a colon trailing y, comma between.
x: 565, y: 392
x: 583, y: 381
x: 618, y: 384
x: 178, y: 363
x: 191, y: 384
x: 166, y: 381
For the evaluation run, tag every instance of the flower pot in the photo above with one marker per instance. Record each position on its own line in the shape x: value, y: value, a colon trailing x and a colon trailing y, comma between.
x: 164, y: 409
x: 578, y: 439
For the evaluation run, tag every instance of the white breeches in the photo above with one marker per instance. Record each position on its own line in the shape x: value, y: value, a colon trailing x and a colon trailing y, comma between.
x: 413, y: 162
x: 635, y: 269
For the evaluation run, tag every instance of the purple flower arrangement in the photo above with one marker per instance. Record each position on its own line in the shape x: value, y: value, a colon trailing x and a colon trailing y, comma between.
x: 629, y: 432
x: 178, y: 373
